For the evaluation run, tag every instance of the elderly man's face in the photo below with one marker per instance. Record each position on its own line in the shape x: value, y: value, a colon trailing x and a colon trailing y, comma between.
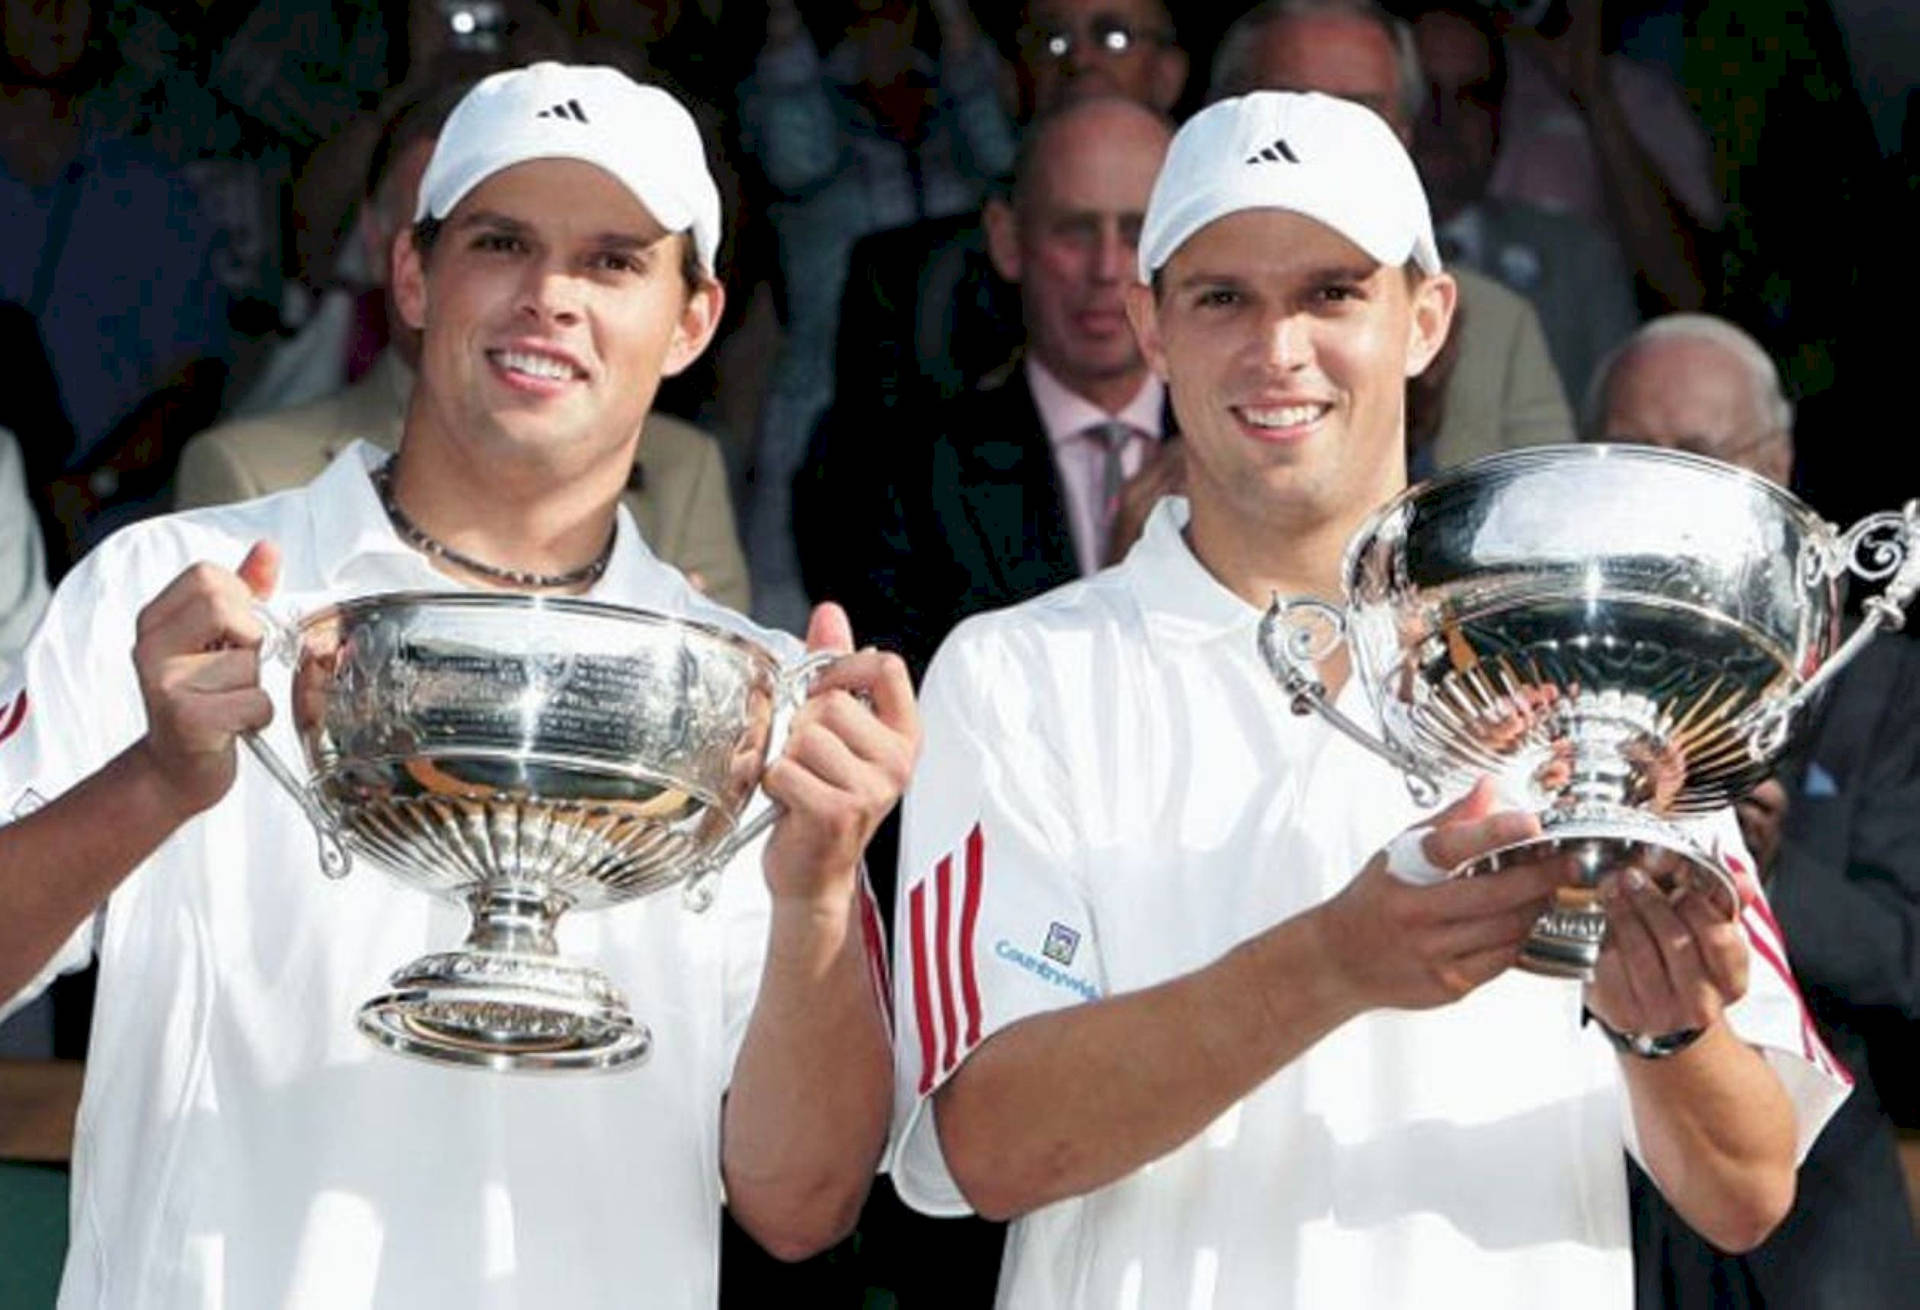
x: 1695, y: 396
x: 1075, y: 49
x: 1347, y: 57
x: 1071, y: 242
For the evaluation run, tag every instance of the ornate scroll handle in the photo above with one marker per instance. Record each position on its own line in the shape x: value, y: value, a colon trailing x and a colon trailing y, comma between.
x: 1884, y: 545
x: 281, y: 644
x: 1295, y: 636
x: 796, y: 683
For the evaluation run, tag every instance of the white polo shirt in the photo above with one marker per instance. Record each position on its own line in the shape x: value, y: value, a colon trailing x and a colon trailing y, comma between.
x: 1112, y: 794
x: 240, y: 1144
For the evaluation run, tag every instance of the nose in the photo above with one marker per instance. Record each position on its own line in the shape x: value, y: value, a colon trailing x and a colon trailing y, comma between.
x: 550, y: 293
x: 1114, y: 255
x: 1286, y: 342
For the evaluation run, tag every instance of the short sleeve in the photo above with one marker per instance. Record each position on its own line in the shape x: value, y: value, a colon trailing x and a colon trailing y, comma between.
x: 991, y: 924
x: 63, y: 712
x: 1772, y: 1017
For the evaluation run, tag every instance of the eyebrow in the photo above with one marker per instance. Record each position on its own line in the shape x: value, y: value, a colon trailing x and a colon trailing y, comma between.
x: 1316, y: 276
x: 495, y: 221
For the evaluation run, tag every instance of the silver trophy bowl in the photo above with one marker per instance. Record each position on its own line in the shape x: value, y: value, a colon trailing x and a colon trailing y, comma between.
x: 526, y: 756
x: 1620, y: 636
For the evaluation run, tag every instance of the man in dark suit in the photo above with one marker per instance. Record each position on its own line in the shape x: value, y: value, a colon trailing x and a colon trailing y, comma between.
x: 1837, y: 835
x: 1009, y: 489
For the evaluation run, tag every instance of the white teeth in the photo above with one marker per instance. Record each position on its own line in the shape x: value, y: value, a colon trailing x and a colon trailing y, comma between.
x: 1284, y: 417
x: 539, y: 366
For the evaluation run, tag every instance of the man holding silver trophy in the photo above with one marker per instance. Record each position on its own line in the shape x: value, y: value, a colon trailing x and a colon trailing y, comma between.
x: 1184, y: 987
x: 469, y: 723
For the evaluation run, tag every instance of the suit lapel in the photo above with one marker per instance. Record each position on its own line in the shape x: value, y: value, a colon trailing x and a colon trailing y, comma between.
x: 1010, y: 488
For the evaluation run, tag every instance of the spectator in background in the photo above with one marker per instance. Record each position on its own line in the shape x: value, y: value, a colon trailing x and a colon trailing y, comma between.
x: 677, y: 492
x: 1610, y: 140
x: 1072, y: 49
x: 1010, y: 489
x: 873, y: 135
x: 1500, y: 390
x: 1570, y: 271
x: 1837, y: 835
x: 109, y: 251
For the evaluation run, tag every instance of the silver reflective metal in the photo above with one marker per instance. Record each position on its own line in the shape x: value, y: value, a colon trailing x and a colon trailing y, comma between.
x: 1620, y: 636
x: 526, y: 756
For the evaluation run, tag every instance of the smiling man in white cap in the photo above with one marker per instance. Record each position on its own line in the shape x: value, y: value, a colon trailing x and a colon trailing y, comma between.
x: 1180, y: 988
x: 239, y: 1143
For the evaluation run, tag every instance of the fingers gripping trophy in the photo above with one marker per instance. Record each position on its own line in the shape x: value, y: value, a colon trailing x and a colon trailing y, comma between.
x: 1620, y: 636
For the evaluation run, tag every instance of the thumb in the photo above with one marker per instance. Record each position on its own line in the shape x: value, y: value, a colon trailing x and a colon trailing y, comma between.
x: 260, y: 570
x: 829, y: 630
x: 1481, y: 800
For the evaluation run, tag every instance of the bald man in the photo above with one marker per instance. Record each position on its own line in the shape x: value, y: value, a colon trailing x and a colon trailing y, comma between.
x: 1838, y: 833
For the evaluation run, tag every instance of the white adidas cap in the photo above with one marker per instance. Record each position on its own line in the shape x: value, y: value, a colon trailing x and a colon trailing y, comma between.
x: 1329, y: 159
x: 639, y: 134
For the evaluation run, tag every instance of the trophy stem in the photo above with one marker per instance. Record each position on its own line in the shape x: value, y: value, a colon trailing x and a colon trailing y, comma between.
x: 514, y: 920
x: 1600, y: 837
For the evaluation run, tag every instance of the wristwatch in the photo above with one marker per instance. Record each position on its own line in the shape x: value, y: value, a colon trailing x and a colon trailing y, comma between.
x: 1647, y: 1046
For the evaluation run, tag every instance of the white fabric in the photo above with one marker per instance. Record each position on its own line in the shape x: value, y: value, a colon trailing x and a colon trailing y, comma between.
x: 240, y: 1144
x: 1329, y: 159
x: 1113, y: 794
x: 23, y: 563
x: 640, y: 134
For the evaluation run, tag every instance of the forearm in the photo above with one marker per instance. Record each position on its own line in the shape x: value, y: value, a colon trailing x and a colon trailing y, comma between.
x: 1660, y: 235
x: 1717, y: 1133
x: 806, y: 1114
x: 1065, y: 1102
x: 58, y: 864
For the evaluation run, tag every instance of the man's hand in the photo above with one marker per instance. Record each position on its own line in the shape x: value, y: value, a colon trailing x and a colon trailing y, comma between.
x: 1400, y: 946
x: 1762, y: 812
x: 198, y: 660
x: 848, y: 755
x: 1163, y: 474
x: 1671, y: 961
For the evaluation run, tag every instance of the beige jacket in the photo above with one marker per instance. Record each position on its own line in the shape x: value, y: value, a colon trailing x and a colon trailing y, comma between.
x: 1504, y: 392
x: 682, y: 508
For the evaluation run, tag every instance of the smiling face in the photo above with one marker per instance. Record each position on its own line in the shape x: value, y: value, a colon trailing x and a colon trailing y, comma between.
x: 1286, y: 350
x: 551, y: 304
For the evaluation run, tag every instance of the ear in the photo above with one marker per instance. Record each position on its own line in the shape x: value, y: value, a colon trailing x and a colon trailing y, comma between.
x: 1144, y: 316
x: 1169, y: 78
x: 1003, y: 238
x: 407, y: 270
x: 1431, y: 318
x: 699, y: 319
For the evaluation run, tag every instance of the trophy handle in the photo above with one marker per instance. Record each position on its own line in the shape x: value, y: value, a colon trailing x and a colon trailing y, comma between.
x: 281, y: 644
x: 1295, y: 636
x: 795, y: 683
x: 1884, y: 545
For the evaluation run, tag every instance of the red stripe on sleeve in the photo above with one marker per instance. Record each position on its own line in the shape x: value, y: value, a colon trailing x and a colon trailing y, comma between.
x: 922, y: 998
x: 15, y: 715
x: 1811, y: 1046
x: 969, y: 915
x: 943, y: 959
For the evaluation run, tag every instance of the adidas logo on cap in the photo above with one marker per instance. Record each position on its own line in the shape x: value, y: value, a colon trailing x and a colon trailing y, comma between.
x: 571, y: 109
x: 1274, y: 153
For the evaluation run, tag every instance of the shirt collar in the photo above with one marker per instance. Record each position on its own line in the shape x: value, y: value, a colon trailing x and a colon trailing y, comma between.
x: 1065, y: 413
x: 347, y: 525
x: 1182, y: 602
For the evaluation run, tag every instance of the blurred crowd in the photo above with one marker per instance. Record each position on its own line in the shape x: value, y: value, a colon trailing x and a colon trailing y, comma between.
x: 1673, y: 221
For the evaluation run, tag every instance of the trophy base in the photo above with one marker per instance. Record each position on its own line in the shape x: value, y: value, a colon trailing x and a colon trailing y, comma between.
x: 1566, y: 940
x: 497, y: 1010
